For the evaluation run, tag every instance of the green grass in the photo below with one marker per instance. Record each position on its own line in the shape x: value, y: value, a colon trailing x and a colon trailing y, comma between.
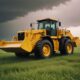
x: 55, y: 68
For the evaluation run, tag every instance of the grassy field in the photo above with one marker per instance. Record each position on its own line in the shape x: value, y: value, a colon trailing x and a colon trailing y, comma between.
x: 56, y: 68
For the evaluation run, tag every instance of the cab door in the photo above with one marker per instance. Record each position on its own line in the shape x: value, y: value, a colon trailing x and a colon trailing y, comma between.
x: 53, y: 29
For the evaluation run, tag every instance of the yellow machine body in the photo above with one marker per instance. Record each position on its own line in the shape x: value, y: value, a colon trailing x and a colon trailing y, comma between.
x: 31, y: 37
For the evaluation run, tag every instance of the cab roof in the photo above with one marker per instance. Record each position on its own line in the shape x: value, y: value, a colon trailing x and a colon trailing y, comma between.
x: 48, y: 20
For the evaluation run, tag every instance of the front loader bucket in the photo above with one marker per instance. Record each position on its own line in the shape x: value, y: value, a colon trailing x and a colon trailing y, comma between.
x: 17, y: 46
x: 11, y: 46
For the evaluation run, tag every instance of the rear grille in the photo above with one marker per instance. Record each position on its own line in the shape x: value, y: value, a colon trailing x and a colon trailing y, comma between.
x: 21, y: 36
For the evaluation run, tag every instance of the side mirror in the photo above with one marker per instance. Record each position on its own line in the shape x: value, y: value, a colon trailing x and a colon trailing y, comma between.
x: 31, y: 25
x: 59, y: 23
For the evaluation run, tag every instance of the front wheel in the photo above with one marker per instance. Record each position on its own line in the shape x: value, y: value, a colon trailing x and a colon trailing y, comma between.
x: 44, y: 49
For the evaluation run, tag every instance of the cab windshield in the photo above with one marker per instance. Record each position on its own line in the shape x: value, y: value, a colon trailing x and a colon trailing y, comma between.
x: 46, y: 25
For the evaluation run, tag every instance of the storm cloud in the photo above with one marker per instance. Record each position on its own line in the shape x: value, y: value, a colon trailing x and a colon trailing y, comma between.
x: 11, y: 9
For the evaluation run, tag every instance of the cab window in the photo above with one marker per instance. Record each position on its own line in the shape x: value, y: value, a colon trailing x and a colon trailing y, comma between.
x: 53, y: 26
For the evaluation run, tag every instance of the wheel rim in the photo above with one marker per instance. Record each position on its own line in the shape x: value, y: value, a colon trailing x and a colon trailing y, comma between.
x: 46, y: 50
x: 69, y: 48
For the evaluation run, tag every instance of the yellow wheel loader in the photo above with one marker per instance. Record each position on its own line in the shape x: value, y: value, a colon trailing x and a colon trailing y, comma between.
x: 44, y: 41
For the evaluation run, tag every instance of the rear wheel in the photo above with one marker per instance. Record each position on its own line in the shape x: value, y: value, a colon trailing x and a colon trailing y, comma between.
x: 67, y: 48
x: 43, y: 49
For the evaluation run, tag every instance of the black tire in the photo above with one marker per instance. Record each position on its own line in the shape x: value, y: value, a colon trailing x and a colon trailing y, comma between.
x: 61, y: 44
x: 22, y: 55
x: 39, y: 49
x: 64, y: 50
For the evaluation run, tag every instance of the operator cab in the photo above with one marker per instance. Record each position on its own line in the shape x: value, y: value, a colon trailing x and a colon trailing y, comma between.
x: 50, y: 25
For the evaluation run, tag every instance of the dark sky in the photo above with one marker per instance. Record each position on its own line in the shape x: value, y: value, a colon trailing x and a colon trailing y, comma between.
x: 11, y: 9
x: 17, y: 14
